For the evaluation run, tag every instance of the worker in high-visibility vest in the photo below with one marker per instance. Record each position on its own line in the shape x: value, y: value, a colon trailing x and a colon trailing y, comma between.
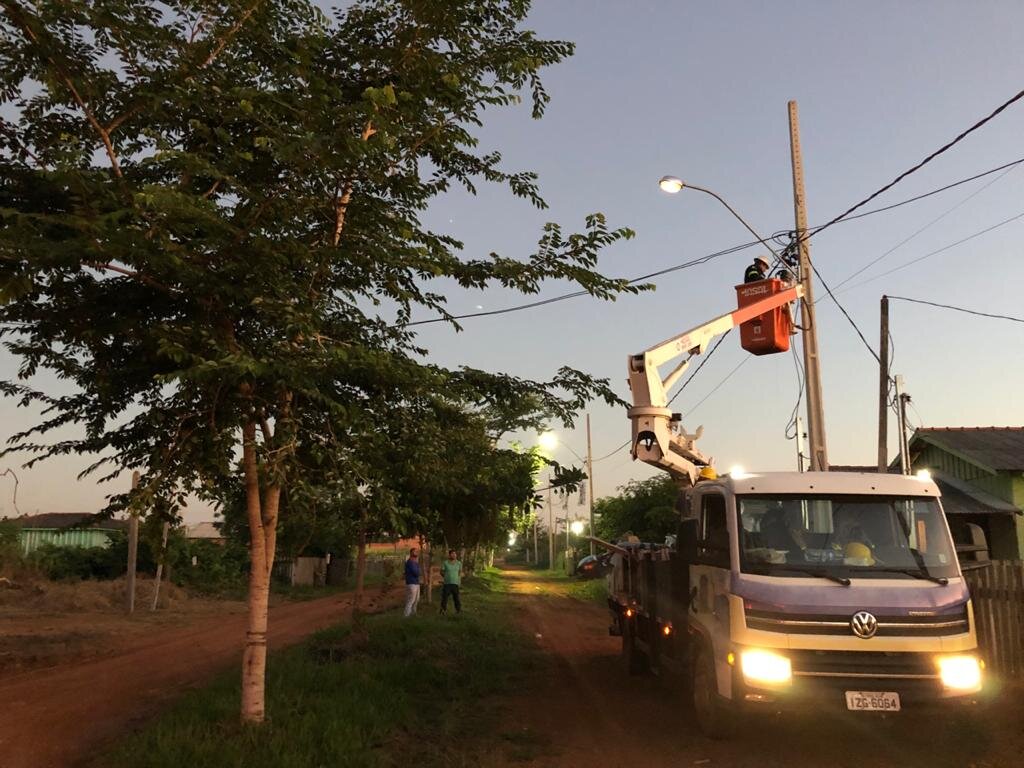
x: 756, y: 271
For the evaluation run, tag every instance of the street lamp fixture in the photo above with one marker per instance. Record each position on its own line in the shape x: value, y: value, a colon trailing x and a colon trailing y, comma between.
x: 548, y: 441
x: 673, y: 184
x: 576, y: 527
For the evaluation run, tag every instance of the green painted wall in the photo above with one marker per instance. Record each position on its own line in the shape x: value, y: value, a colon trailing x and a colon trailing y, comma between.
x: 1006, y: 534
x: 33, y: 538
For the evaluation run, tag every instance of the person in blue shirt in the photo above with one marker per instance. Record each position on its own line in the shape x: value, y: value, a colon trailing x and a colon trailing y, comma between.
x: 412, y: 582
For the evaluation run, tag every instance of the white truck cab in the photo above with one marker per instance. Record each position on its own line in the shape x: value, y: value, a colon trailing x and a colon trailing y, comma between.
x: 790, y: 589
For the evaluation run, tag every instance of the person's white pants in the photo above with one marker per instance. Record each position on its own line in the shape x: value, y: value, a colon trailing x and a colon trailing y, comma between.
x: 412, y: 598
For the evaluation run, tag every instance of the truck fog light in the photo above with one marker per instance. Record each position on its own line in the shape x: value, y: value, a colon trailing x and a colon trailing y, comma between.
x: 960, y: 673
x: 765, y: 667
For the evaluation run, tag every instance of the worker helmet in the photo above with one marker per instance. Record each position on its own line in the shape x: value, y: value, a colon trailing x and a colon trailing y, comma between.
x: 761, y: 260
x: 857, y: 553
x: 707, y: 473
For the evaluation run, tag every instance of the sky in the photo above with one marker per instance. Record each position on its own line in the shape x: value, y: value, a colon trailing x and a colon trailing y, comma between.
x: 700, y: 91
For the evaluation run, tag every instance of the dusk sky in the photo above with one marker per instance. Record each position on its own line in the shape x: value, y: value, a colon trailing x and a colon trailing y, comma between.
x: 699, y: 90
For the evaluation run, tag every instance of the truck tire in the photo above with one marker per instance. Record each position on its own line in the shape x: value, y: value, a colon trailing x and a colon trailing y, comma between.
x: 713, y: 714
x: 634, y: 659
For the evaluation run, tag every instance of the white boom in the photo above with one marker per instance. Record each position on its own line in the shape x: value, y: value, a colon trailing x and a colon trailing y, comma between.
x: 658, y: 437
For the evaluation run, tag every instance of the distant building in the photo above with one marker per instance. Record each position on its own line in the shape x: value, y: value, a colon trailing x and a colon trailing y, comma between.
x: 73, y: 529
x: 980, y: 471
x: 207, y: 530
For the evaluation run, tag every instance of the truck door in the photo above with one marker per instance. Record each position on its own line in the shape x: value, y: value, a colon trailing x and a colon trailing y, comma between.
x: 711, y: 579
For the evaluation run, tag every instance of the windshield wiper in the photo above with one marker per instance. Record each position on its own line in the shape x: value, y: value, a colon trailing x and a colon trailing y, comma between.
x: 819, y: 572
x: 917, y: 573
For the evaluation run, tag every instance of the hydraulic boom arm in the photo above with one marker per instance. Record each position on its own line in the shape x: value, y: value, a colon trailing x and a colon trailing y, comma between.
x: 656, y: 439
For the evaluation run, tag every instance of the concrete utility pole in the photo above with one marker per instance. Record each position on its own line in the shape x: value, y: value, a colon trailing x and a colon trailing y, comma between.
x: 812, y: 363
x: 590, y: 485
x: 536, y: 551
x: 799, y: 443
x: 551, y: 531
x: 133, y: 552
x: 883, y: 389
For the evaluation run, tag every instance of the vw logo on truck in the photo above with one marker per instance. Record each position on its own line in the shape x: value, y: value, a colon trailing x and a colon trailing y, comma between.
x: 864, y: 624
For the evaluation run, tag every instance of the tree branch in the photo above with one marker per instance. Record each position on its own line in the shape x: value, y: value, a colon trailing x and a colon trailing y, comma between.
x: 222, y: 43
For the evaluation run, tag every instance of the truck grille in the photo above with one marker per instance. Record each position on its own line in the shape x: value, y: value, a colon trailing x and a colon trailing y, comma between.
x: 863, y: 664
x: 839, y: 624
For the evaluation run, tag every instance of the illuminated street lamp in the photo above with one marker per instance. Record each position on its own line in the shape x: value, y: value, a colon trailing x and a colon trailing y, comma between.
x: 577, y: 527
x: 673, y: 184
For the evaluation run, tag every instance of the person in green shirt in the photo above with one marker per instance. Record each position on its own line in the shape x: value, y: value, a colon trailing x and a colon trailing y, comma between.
x: 451, y: 578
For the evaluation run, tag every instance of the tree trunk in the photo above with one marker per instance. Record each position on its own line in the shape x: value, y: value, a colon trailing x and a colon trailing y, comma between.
x: 360, y: 567
x: 262, y: 514
x: 430, y: 576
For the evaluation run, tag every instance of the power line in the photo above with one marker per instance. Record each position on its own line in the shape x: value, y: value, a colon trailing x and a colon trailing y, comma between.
x: 577, y: 294
x: 719, y: 385
x: 934, y: 221
x: 697, y: 370
x: 724, y: 252
x: 975, y: 177
x: 960, y: 309
x: 963, y: 134
x: 937, y: 251
x: 845, y: 313
x: 948, y: 145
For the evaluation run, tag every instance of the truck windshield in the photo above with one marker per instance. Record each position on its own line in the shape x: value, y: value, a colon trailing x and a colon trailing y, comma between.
x: 851, y: 536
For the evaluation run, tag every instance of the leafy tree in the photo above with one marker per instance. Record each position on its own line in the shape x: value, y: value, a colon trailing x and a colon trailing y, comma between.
x: 644, y: 507
x: 210, y: 231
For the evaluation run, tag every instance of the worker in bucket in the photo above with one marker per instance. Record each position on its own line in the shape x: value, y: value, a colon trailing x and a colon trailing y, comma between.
x: 756, y: 271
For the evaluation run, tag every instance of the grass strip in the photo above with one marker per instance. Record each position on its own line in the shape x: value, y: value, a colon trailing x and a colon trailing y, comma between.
x: 389, y: 692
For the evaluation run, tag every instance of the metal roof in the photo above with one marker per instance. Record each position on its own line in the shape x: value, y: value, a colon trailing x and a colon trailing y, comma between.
x: 999, y: 449
x: 813, y: 483
x: 58, y: 520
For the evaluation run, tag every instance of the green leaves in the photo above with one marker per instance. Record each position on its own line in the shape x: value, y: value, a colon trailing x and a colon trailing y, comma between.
x: 211, y: 219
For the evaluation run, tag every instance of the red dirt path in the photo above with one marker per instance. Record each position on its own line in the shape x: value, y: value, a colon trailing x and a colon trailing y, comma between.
x: 59, y: 716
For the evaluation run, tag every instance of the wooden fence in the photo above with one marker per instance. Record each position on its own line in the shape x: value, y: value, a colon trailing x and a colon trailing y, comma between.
x: 997, y: 593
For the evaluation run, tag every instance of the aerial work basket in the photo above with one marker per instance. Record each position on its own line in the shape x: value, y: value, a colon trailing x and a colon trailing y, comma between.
x: 768, y: 333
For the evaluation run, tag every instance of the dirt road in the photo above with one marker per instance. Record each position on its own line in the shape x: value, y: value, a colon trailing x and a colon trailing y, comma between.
x: 58, y: 716
x: 586, y: 711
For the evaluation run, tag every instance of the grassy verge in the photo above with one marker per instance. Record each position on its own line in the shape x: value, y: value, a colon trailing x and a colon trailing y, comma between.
x: 589, y: 591
x: 392, y: 692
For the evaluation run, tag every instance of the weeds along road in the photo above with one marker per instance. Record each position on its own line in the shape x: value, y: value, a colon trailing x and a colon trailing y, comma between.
x: 584, y: 710
x: 58, y: 716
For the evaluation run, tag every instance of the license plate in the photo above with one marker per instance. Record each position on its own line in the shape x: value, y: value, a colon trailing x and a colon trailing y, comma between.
x: 872, y: 701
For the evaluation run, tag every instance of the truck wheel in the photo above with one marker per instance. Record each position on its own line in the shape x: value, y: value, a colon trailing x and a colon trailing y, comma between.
x: 713, y: 714
x: 634, y: 659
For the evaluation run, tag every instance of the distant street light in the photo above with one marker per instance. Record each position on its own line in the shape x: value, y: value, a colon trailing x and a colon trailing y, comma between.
x: 549, y: 441
x: 577, y: 527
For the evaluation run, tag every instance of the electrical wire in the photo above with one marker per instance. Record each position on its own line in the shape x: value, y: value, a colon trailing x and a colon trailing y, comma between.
x: 697, y: 370
x: 934, y: 221
x: 937, y: 251
x: 845, y: 313
x: 744, y: 361
x: 778, y: 237
x: 945, y: 147
x: 576, y: 294
x: 960, y: 309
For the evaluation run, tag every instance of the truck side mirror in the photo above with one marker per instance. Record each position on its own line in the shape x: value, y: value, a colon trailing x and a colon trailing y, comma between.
x: 686, y: 540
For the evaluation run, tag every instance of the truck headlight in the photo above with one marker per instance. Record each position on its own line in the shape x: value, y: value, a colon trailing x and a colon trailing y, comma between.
x: 960, y: 673
x: 765, y: 667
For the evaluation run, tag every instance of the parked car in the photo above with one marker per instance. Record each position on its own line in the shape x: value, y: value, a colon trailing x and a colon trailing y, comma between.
x: 594, y: 566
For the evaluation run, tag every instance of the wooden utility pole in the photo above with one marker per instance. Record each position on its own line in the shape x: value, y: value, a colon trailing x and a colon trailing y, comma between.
x: 883, y: 389
x: 551, y: 531
x: 133, y: 552
x: 812, y: 363
x: 590, y: 485
x: 160, y: 565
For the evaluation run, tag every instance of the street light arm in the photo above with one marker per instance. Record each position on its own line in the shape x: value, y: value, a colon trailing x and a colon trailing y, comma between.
x: 739, y: 218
